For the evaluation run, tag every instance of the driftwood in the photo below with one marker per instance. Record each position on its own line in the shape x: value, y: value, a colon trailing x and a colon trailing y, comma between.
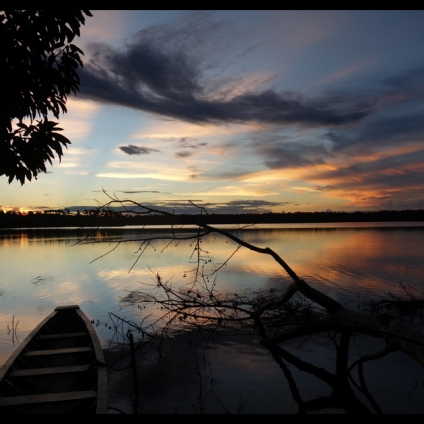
x: 273, y: 313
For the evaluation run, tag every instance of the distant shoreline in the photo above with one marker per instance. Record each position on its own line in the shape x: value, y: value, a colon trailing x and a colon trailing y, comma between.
x: 102, y: 219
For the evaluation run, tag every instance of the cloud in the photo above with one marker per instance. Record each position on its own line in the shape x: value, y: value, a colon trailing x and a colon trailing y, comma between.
x: 280, y: 153
x: 231, y: 207
x: 344, y: 72
x: 183, y: 154
x: 130, y: 149
x: 408, y: 82
x: 190, y: 143
x: 329, y: 143
x: 166, y: 70
x: 137, y: 191
x: 381, y: 131
x: 245, y: 206
x: 369, y: 163
x: 192, y: 206
x: 395, y: 175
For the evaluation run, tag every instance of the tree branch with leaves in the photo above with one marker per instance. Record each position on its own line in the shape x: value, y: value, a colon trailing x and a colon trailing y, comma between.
x: 38, y: 71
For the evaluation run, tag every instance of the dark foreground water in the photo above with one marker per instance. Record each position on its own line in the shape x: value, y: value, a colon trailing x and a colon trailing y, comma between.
x: 43, y: 269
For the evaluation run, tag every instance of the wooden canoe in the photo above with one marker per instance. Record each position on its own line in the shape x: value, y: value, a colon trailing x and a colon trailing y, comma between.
x: 58, y: 369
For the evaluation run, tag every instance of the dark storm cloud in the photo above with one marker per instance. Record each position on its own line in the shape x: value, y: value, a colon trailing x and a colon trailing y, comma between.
x: 137, y: 150
x: 278, y: 151
x: 408, y: 83
x: 267, y: 107
x: 292, y: 155
x: 397, y: 121
x: 397, y: 118
x: 168, y: 76
x: 384, y: 130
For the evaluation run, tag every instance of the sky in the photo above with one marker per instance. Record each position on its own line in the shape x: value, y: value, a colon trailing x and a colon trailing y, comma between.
x: 242, y: 111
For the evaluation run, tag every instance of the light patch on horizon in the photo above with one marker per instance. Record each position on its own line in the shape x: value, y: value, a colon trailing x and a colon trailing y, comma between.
x: 206, y: 141
x: 81, y: 123
x: 179, y: 161
x: 80, y: 151
x: 173, y: 130
x: 239, y: 191
x: 146, y: 166
x: 76, y: 157
x: 69, y: 165
x: 155, y: 176
x: 282, y: 176
x: 76, y: 172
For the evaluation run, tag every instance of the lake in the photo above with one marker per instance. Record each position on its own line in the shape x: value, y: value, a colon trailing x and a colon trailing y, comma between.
x: 44, y: 268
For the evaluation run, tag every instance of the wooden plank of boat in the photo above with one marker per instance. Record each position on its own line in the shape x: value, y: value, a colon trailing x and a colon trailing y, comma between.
x: 45, y: 371
x: 47, y: 398
x: 58, y: 368
x: 57, y: 351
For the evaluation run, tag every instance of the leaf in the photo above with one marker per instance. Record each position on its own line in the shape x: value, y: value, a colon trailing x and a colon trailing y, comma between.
x: 41, y: 77
x: 61, y: 138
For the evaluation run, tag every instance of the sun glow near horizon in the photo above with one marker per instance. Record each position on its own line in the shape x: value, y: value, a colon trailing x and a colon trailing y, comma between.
x: 288, y: 113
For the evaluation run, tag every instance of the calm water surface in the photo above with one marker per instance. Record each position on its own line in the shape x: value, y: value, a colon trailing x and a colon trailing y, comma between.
x: 42, y: 269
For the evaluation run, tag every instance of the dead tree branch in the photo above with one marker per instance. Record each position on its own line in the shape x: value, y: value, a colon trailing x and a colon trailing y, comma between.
x: 203, y: 305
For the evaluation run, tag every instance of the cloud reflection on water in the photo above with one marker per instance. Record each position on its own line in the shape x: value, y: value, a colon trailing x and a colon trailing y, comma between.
x: 344, y: 263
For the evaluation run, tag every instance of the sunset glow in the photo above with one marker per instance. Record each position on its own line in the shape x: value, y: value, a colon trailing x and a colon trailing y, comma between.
x: 294, y: 110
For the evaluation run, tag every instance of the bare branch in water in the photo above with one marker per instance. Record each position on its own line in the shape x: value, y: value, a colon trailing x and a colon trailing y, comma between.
x: 279, y: 315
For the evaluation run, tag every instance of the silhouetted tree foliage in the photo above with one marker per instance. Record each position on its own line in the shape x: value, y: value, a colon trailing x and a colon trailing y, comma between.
x: 38, y: 70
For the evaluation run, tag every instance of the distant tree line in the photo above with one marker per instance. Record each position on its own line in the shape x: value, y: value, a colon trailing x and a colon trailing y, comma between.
x: 105, y: 218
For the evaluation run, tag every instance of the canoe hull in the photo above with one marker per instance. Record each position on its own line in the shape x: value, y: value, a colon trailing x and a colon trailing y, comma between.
x: 58, y: 368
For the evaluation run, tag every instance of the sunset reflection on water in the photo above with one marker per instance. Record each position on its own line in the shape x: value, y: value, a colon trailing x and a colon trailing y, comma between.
x: 43, y: 269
